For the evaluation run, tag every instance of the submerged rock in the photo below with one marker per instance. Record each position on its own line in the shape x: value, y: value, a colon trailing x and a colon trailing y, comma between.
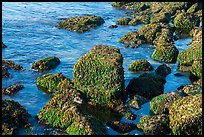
x: 137, y: 101
x: 81, y: 23
x: 163, y: 70
x: 185, y: 116
x: 121, y: 127
x: 154, y: 125
x: 46, y: 64
x: 140, y: 65
x: 100, y: 75
x: 11, y: 65
x: 12, y: 89
x: 14, y: 116
x: 146, y: 85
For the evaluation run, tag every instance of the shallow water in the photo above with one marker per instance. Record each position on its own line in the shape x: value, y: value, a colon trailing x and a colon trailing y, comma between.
x: 28, y: 31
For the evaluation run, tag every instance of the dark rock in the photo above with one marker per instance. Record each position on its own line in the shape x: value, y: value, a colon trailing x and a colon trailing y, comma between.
x: 125, y: 111
x: 121, y: 127
x: 137, y: 101
x: 3, y: 45
x: 11, y: 65
x: 113, y: 26
x: 163, y: 70
x: 5, y: 73
x: 12, y: 89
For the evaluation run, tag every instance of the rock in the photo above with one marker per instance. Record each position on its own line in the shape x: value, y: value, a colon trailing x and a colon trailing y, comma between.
x: 131, y: 39
x: 113, y: 26
x: 137, y: 101
x: 46, y: 64
x: 163, y: 17
x: 63, y: 111
x: 121, y: 127
x: 125, y: 111
x: 154, y: 125
x: 178, y: 74
x: 137, y: 6
x: 163, y: 70
x: 164, y: 37
x: 193, y: 8
x: 14, y: 116
x: 146, y: 85
x: 12, y: 89
x: 134, y: 22
x: 11, y: 65
x: 141, y: 17
x: 81, y: 23
x: 5, y: 73
x: 197, y: 68
x: 3, y: 45
x: 161, y: 104
x: 165, y: 53
x: 193, y: 88
x: 100, y: 75
x: 185, y: 116
x: 123, y: 21
x: 140, y: 65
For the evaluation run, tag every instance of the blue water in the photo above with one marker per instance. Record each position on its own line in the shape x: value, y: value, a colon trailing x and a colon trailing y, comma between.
x: 28, y: 31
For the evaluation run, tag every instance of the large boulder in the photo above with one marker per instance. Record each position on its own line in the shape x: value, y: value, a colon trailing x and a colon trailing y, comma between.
x: 81, y: 23
x: 185, y: 115
x: 140, y: 65
x: 100, y: 75
x: 154, y: 125
x: 166, y: 53
x: 46, y: 64
x: 14, y: 116
x: 147, y: 85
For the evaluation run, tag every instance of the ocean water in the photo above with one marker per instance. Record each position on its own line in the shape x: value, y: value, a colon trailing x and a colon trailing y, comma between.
x: 28, y: 31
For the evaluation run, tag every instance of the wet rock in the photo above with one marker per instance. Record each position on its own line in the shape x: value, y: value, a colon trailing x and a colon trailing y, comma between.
x: 185, y: 116
x: 12, y: 89
x: 123, y: 21
x: 113, y: 26
x: 5, y: 73
x: 100, y: 75
x: 131, y: 39
x: 155, y: 125
x: 166, y: 53
x: 125, y: 111
x: 163, y: 70
x: 134, y: 22
x: 63, y: 111
x: 46, y: 64
x: 193, y: 88
x: 161, y: 104
x: 14, y: 116
x: 140, y: 65
x: 3, y: 45
x: 137, y: 101
x: 81, y: 23
x: 164, y: 37
x: 121, y: 127
x: 163, y: 17
x: 146, y: 85
x: 11, y: 65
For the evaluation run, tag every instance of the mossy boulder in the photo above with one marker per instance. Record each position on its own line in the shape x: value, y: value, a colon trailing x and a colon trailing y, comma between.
x: 154, y: 125
x: 100, y: 75
x: 165, y: 36
x: 66, y: 112
x: 14, y: 116
x: 81, y: 23
x: 164, y: 17
x: 147, y: 85
x: 137, y: 101
x: 185, y: 22
x: 46, y: 64
x: 125, y: 111
x: 12, y: 89
x: 121, y: 127
x: 165, y: 53
x: 163, y: 70
x: 3, y: 45
x: 140, y: 65
x: 123, y: 21
x: 5, y: 73
x: 185, y: 116
x: 131, y: 39
x: 11, y: 65
x: 161, y: 104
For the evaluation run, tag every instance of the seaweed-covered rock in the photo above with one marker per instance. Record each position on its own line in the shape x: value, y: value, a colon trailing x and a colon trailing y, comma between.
x: 140, y: 65
x: 165, y: 36
x: 193, y: 88
x: 185, y: 22
x: 131, y: 39
x: 64, y: 111
x: 53, y: 83
x: 5, y: 73
x: 155, y: 125
x: 164, y: 17
x: 166, y: 53
x: 121, y: 127
x: 81, y: 23
x: 123, y: 21
x: 14, y: 116
x: 137, y: 101
x: 147, y: 85
x: 161, y: 104
x: 3, y: 45
x: 46, y: 64
x: 12, y: 89
x: 100, y: 75
x: 163, y: 70
x: 185, y: 116
x: 11, y: 65
x: 125, y: 111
